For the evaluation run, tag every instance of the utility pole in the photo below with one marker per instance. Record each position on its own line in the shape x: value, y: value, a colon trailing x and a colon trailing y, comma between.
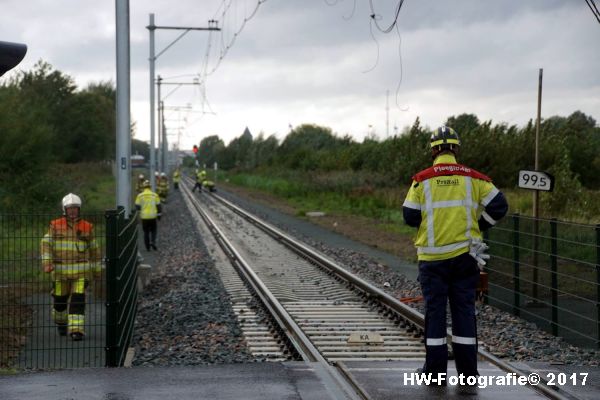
x: 123, y: 124
x: 162, y: 136
x: 212, y: 26
x: 160, y: 167
x: 536, y: 193
x: 387, y: 114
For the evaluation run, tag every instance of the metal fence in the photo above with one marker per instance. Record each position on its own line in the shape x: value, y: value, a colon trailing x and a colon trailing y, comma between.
x: 29, y: 335
x: 121, y: 278
x: 548, y: 272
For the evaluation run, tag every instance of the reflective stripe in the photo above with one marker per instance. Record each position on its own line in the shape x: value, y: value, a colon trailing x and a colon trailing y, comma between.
x: 64, y: 245
x: 435, y: 342
x: 442, y: 249
x: 411, y: 204
x: 490, y: 197
x: 468, y: 203
x: 452, y: 203
x: 73, y: 268
x: 429, y: 210
x: 489, y: 219
x: 463, y: 340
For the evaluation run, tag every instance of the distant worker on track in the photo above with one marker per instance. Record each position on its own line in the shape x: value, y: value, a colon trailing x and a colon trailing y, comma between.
x: 443, y: 202
x: 148, y: 203
x: 162, y: 187
x: 139, y: 185
x: 176, y: 179
x: 72, y: 256
x: 200, y: 177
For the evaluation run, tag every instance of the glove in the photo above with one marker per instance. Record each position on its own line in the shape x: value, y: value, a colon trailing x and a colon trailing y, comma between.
x: 477, y: 251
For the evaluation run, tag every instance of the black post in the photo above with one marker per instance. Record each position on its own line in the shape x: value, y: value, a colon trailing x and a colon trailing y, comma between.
x: 598, y: 283
x: 553, y: 264
x: 112, y: 295
x: 516, y: 266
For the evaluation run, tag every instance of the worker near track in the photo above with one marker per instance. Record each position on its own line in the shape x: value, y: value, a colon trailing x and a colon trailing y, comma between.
x: 162, y: 187
x: 209, y: 185
x: 200, y: 177
x: 72, y: 257
x: 139, y: 184
x: 176, y: 179
x: 444, y: 202
x: 148, y: 203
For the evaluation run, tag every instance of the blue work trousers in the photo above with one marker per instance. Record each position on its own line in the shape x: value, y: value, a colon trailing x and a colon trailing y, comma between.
x: 454, y: 279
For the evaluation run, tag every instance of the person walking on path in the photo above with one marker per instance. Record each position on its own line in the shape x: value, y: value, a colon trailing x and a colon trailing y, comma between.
x: 71, y: 255
x: 451, y: 204
x: 148, y: 203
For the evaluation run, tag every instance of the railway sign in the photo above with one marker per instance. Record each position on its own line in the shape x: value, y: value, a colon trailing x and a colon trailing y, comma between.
x: 536, y: 180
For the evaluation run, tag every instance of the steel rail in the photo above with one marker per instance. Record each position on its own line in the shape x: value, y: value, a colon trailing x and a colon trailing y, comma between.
x: 405, y: 312
x: 294, y: 333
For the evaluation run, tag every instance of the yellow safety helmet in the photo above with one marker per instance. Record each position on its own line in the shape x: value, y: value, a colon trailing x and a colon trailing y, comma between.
x: 444, y: 136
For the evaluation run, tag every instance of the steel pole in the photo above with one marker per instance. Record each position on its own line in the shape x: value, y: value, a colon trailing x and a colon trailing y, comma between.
x: 159, y: 135
x: 151, y: 27
x: 123, y: 109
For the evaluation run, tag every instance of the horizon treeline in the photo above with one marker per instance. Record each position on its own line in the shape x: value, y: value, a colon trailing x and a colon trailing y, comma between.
x: 569, y: 148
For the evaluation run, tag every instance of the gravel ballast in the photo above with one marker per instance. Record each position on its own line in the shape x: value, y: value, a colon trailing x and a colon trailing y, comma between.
x: 184, y: 313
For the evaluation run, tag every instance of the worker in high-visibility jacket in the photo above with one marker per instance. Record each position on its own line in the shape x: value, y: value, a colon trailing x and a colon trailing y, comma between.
x: 209, y: 185
x: 176, y: 179
x: 200, y: 177
x: 139, y: 184
x: 148, y: 203
x: 451, y: 204
x: 71, y: 255
x: 162, y: 187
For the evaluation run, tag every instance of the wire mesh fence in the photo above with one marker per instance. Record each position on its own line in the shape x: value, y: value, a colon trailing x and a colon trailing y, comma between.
x: 548, y: 272
x: 68, y: 289
x: 44, y: 313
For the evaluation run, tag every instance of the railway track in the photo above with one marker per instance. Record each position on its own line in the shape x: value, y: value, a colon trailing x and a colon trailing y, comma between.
x: 319, y: 312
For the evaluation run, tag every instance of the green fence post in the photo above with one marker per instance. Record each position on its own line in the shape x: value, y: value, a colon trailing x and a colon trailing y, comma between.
x: 598, y: 284
x: 516, y: 266
x: 111, y: 291
x: 553, y: 264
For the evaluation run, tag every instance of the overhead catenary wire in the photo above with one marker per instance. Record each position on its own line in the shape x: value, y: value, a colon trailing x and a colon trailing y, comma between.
x: 592, y: 5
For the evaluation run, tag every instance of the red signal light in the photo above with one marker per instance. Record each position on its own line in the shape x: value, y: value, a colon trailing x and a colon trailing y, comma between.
x: 195, y: 149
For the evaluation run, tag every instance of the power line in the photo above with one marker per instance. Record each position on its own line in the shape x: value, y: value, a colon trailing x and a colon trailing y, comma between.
x: 592, y: 5
x: 375, y: 16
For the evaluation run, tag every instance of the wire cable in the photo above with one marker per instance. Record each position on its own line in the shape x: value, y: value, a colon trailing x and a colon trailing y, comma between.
x: 592, y: 5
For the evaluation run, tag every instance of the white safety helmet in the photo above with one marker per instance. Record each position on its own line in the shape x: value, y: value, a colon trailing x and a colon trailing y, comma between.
x: 141, y: 176
x: 71, y: 200
x: 163, y: 174
x: 155, y: 173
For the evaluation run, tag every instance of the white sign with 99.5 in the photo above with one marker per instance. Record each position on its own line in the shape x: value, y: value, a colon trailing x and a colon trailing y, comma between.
x: 536, y: 180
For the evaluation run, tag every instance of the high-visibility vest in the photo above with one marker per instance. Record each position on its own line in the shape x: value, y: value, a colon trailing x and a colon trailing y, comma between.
x: 176, y: 177
x: 449, y: 196
x: 148, y: 202
x: 71, y: 248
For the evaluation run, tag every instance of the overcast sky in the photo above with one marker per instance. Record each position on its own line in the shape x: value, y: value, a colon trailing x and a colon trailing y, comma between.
x: 315, y: 61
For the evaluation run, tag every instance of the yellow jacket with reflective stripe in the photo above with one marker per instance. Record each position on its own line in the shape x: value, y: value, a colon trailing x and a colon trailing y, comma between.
x: 148, y: 202
x: 71, y: 248
x: 450, y: 206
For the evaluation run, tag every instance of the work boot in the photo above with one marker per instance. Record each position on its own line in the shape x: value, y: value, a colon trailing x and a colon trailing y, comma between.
x: 62, y: 329
x: 154, y: 246
x: 77, y: 336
